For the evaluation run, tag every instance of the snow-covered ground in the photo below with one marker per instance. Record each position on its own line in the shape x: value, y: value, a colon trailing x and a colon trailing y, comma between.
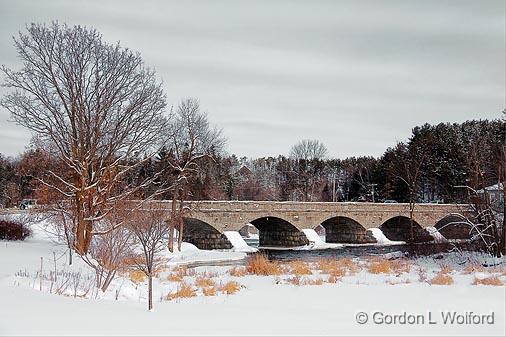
x: 265, y: 305
x: 190, y: 254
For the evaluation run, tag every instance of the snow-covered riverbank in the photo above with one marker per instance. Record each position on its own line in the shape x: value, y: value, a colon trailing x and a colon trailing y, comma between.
x: 264, y: 305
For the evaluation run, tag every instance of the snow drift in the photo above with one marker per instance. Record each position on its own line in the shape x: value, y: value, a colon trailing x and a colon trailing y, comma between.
x: 436, y: 235
x: 238, y: 243
x: 382, y: 239
x: 315, y: 241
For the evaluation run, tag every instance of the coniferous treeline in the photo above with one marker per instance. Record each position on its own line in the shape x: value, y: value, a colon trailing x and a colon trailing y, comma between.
x: 443, y: 156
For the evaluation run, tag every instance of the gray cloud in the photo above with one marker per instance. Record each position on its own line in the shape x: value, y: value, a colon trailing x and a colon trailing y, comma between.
x: 357, y: 75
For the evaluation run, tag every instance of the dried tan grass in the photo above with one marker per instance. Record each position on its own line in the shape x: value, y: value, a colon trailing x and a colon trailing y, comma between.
x: 333, y: 279
x: 442, y: 278
x: 380, y: 267
x: 338, y: 268
x: 204, y: 282
x: 400, y: 266
x: 259, y: 264
x: 137, y: 276
x: 314, y: 282
x: 206, y: 274
x: 295, y: 280
x: 231, y: 287
x: 384, y: 266
x: 326, y: 266
x: 501, y: 270
x: 445, y: 269
x: 179, y: 273
x: 184, y: 291
x: 174, y: 277
x: 209, y: 291
x: 238, y: 271
x: 488, y: 281
x: 349, y: 265
x: 299, y: 268
x: 472, y: 268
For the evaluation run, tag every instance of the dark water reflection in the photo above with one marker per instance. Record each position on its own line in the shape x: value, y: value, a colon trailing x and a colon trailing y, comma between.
x: 356, y: 251
x: 407, y: 250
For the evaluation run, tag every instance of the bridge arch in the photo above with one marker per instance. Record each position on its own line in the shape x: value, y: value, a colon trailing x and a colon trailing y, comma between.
x: 450, y: 228
x: 398, y: 228
x: 342, y: 229
x: 277, y: 232
x: 203, y: 235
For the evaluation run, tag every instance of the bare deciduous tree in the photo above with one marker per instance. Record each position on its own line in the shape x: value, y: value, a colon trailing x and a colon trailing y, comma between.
x: 109, y: 252
x: 307, y: 155
x: 149, y: 229
x: 407, y: 167
x: 93, y: 104
x: 308, y: 150
x: 191, y: 140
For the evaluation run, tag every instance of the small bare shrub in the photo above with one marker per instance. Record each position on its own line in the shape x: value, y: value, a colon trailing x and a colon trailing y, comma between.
x: 422, y: 275
x: 13, y: 230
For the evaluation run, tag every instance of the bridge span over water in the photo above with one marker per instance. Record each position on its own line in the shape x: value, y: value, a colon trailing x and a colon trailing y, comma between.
x: 280, y: 224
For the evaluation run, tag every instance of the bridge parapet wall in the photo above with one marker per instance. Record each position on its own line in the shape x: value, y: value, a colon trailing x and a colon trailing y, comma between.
x: 233, y: 215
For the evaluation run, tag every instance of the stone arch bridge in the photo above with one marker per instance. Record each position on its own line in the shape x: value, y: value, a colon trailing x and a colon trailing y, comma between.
x: 280, y: 224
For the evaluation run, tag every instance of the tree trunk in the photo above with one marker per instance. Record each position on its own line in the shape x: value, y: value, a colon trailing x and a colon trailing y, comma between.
x: 503, y: 234
x: 411, y: 211
x: 183, y: 195
x: 108, y: 280
x: 172, y: 222
x: 180, y: 221
x: 80, y: 228
x: 150, y: 292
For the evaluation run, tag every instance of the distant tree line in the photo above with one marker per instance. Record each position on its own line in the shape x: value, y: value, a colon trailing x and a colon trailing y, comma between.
x: 441, y: 156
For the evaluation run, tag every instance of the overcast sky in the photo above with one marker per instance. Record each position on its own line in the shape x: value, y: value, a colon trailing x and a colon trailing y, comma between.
x: 357, y: 75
